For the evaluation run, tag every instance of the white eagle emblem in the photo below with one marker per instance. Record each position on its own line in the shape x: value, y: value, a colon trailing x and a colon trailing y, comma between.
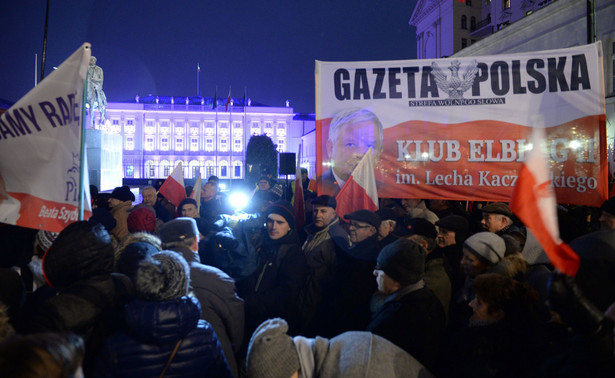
x: 454, y: 86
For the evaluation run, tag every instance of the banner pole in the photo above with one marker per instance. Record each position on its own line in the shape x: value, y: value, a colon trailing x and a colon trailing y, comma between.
x: 82, y: 148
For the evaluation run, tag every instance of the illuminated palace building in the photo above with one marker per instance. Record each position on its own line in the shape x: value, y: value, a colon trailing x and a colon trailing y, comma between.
x: 158, y: 132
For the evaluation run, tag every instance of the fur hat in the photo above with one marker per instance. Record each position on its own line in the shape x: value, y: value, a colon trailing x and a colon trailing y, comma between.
x: 123, y: 193
x: 141, y: 219
x: 285, y: 209
x: 46, y: 238
x: 403, y: 261
x: 498, y: 208
x: 178, y: 229
x: 163, y: 276
x: 82, y: 250
x: 486, y: 246
x: 271, y: 352
x: 366, y: 216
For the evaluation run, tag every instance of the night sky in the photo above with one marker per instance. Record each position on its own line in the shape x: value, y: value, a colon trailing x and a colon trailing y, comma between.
x: 153, y: 47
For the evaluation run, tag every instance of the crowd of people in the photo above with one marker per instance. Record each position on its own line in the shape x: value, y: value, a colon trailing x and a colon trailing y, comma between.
x: 418, y: 288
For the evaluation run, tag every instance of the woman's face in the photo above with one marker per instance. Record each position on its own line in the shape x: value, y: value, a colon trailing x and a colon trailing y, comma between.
x: 471, y: 265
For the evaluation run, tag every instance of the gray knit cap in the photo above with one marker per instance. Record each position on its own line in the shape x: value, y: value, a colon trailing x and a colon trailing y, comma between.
x: 486, y: 246
x: 163, y: 276
x: 271, y: 352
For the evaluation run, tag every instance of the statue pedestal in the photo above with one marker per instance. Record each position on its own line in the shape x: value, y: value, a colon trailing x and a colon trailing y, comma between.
x: 104, y: 154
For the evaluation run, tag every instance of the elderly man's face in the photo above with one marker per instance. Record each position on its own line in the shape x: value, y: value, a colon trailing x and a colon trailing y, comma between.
x: 323, y: 215
x: 445, y: 237
x: 359, y: 231
x: 493, y: 222
x: 149, y: 197
x: 353, y: 140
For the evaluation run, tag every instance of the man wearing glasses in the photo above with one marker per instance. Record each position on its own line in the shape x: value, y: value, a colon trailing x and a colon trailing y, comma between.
x: 353, y: 280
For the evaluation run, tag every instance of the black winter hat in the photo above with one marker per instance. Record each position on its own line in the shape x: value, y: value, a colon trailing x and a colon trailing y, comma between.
x: 366, y: 216
x: 416, y: 226
x: 456, y: 223
x: 82, y: 250
x: 403, y: 261
x: 285, y: 209
x: 132, y: 255
x: 123, y: 193
x: 609, y: 206
x: 498, y: 208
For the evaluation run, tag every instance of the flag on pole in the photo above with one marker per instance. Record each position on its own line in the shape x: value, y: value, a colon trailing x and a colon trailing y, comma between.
x: 173, y: 187
x: 228, y: 99
x: 298, y: 197
x: 196, y: 192
x: 533, y: 202
x: 359, y: 191
x: 215, y: 104
x: 198, y: 67
x: 42, y: 182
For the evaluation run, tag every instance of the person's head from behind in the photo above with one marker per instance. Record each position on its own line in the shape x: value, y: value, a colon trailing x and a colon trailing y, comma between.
x: 272, y: 352
x: 180, y: 232
x: 149, y: 195
x: 399, y: 264
x: 607, y: 215
x: 188, y: 208
x: 162, y: 276
x: 48, y: 355
x: 351, y: 133
x: 500, y: 298
x: 323, y: 208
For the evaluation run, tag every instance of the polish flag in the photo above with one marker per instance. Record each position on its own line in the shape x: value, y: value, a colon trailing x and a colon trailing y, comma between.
x: 359, y: 191
x: 173, y: 187
x: 298, y: 198
x: 533, y: 201
x: 228, y: 100
x: 196, y: 192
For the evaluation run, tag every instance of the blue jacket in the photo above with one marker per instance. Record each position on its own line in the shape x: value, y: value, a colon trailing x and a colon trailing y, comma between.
x: 153, y: 329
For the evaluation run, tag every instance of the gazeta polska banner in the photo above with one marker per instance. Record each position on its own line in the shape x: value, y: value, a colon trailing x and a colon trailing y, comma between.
x: 40, y: 151
x: 459, y: 128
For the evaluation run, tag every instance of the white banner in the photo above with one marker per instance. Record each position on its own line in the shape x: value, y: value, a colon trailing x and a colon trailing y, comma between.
x: 40, y: 150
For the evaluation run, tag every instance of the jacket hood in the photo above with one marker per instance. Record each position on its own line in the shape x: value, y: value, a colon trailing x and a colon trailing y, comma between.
x: 82, y: 250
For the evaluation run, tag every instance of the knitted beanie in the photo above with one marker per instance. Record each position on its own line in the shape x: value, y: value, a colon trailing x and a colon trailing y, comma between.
x: 271, y: 352
x: 285, y: 209
x: 141, y: 220
x: 486, y: 246
x: 403, y: 261
x: 162, y: 277
x: 46, y: 238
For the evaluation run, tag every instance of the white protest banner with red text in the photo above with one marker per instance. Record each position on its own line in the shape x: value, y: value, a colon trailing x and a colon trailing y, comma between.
x: 459, y: 128
x: 40, y: 150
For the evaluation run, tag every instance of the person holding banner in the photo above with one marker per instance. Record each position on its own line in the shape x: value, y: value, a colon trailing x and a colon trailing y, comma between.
x: 351, y: 133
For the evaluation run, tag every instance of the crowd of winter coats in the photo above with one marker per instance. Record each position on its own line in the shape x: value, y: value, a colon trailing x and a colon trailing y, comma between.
x: 417, y: 288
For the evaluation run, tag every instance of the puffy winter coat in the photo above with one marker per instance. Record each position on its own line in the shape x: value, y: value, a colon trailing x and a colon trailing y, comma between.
x: 153, y: 330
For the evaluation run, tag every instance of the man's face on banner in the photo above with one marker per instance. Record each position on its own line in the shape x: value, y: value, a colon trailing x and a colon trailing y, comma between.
x: 353, y: 140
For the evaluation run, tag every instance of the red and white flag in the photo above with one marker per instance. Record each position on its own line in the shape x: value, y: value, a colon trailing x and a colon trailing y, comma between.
x: 359, y: 191
x: 173, y: 187
x: 298, y: 197
x: 228, y: 100
x: 196, y: 192
x: 533, y: 201
x: 43, y: 176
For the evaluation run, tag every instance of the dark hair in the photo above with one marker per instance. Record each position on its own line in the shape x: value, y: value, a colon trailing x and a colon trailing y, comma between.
x: 41, y: 355
x: 517, y: 300
x: 186, y: 201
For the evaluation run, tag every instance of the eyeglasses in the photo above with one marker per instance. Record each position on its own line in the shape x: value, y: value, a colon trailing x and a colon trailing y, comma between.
x: 354, y: 225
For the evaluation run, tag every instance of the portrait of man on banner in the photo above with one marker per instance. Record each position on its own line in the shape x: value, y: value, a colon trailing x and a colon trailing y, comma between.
x: 351, y: 133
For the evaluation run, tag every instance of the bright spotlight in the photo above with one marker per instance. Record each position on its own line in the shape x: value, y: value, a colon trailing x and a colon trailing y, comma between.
x: 222, y: 186
x: 238, y: 200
